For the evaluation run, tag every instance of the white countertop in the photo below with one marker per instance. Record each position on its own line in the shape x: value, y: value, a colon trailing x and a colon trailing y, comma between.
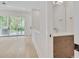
x: 62, y: 34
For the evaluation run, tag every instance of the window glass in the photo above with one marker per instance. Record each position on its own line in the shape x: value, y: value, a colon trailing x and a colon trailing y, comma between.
x: 11, y: 25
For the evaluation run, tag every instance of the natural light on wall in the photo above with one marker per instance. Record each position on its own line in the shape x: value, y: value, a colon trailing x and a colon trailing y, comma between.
x: 11, y: 25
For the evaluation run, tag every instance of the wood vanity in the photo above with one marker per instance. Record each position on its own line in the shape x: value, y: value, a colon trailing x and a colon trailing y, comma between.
x: 63, y: 46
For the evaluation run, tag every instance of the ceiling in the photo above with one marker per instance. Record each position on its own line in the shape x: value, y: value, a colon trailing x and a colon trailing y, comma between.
x: 22, y: 4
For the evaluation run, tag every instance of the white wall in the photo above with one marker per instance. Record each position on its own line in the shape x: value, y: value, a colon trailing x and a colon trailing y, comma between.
x: 39, y: 36
x: 63, y: 18
x: 36, y: 30
x: 42, y: 29
x: 59, y: 21
x: 69, y: 17
x: 76, y: 25
x: 72, y: 22
x: 76, y: 21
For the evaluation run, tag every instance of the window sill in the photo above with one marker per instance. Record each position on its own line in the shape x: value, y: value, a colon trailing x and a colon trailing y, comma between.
x: 10, y: 35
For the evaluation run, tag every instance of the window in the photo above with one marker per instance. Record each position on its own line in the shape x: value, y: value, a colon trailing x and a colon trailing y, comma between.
x: 11, y: 25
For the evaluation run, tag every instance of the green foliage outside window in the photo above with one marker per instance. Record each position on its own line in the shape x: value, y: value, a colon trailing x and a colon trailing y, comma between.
x: 12, y: 23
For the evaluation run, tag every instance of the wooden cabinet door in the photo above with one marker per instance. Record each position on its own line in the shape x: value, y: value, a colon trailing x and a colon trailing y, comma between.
x: 63, y: 46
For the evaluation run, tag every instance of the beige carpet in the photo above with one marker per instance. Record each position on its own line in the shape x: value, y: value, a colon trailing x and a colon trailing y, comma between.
x: 30, y: 50
x: 10, y: 47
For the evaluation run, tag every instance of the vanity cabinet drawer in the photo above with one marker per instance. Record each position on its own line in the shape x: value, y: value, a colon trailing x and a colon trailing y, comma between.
x: 63, y: 46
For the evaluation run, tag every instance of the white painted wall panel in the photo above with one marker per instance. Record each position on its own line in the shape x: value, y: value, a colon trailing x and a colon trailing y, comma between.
x: 76, y: 21
x: 59, y: 19
x: 40, y: 31
x: 76, y: 25
x: 69, y: 17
